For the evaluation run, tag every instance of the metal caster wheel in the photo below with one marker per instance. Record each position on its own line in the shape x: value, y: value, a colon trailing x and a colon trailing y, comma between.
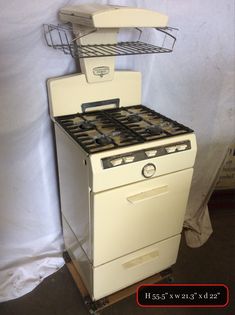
x: 66, y: 257
x: 93, y: 312
x: 92, y: 308
x: 170, y: 279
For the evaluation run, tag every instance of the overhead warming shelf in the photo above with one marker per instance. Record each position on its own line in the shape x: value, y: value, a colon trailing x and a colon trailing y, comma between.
x: 61, y: 37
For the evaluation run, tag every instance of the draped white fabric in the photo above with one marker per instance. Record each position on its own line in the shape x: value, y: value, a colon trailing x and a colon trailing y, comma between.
x: 194, y: 85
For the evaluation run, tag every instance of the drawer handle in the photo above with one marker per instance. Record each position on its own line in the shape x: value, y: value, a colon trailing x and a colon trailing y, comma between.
x: 141, y: 260
x: 149, y: 194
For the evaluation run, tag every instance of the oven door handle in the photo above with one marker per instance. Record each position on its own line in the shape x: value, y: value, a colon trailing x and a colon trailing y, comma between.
x: 93, y: 105
x: 149, y: 194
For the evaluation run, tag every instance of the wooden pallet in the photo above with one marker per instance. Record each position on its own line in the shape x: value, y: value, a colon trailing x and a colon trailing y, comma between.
x: 94, y: 307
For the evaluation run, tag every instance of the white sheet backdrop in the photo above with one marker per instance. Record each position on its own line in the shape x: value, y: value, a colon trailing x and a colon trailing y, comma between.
x: 194, y: 85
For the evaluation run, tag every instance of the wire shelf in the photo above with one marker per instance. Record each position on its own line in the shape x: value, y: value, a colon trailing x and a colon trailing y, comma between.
x: 61, y: 38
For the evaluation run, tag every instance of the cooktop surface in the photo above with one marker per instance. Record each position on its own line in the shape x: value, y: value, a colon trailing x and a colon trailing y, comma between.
x: 101, y: 130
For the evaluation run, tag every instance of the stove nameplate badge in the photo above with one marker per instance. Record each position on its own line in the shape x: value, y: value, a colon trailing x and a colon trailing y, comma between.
x: 101, y: 71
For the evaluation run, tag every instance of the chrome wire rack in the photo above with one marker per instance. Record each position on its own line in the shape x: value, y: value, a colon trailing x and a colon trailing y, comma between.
x: 61, y: 37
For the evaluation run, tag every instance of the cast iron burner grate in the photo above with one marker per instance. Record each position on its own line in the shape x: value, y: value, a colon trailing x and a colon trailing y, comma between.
x: 102, y: 130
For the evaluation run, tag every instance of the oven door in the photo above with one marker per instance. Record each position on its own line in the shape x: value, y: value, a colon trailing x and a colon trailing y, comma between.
x: 131, y: 217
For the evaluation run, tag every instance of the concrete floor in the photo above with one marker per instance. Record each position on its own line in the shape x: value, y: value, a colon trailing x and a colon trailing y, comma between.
x: 212, y: 263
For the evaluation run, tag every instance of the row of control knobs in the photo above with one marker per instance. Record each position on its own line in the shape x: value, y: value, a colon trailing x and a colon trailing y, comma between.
x: 125, y: 159
x: 148, y: 153
x: 179, y: 147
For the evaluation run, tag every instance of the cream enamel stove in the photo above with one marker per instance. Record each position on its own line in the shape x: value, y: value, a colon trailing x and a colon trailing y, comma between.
x: 124, y: 170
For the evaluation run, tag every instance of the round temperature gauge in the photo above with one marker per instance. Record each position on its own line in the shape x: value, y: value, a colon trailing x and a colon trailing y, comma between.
x: 148, y: 170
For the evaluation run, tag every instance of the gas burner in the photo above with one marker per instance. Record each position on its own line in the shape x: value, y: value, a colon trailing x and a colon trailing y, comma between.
x: 166, y: 124
x: 154, y: 130
x: 115, y: 133
x: 103, y: 140
x: 86, y: 125
x: 134, y: 118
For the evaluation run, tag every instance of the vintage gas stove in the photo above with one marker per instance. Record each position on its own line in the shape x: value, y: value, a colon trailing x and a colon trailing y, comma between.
x: 124, y: 170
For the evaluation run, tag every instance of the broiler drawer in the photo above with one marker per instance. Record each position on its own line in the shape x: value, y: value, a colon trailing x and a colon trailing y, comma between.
x: 131, y: 217
x: 122, y: 272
